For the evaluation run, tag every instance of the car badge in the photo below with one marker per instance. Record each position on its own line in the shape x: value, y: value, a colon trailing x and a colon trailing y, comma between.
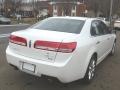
x: 30, y: 44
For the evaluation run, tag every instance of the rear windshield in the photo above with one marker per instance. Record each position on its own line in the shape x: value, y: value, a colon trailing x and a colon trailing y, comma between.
x: 61, y: 25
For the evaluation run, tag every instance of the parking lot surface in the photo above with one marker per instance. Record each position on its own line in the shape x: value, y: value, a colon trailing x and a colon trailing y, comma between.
x: 107, y: 75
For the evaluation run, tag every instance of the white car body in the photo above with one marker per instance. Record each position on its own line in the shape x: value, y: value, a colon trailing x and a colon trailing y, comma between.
x: 66, y: 67
x: 117, y: 24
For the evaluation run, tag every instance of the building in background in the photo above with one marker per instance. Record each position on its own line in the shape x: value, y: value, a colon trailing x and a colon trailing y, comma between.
x: 1, y: 7
x: 42, y: 7
x: 26, y: 9
x: 30, y: 8
x: 67, y: 8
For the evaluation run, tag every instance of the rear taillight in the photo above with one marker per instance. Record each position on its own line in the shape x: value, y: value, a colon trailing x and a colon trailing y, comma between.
x: 18, y: 40
x: 55, y: 46
x: 67, y: 47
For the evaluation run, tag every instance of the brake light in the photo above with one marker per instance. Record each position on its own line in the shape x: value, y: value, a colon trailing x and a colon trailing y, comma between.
x: 55, y: 46
x: 67, y: 47
x: 18, y: 40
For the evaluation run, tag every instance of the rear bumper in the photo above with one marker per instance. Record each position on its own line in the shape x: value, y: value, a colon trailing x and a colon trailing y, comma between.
x: 117, y: 25
x: 64, y: 73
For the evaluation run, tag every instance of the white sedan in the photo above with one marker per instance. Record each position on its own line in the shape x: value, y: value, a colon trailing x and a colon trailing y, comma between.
x: 117, y: 24
x: 68, y: 48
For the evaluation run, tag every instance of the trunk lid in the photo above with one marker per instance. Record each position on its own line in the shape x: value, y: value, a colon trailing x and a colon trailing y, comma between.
x: 32, y: 35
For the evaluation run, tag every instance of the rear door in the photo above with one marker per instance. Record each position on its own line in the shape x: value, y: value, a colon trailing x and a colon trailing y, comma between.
x: 99, y: 37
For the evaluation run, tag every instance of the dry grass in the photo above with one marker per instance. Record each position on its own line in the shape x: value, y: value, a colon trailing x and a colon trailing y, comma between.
x: 24, y: 20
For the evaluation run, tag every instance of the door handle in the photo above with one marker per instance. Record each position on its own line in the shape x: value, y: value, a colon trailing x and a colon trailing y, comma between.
x: 98, y: 42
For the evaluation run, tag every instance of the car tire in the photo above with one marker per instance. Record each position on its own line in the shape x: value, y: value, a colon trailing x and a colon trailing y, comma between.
x: 90, y: 73
x: 113, y: 49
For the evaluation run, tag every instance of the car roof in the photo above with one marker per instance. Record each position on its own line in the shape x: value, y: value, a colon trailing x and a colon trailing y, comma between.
x: 77, y: 18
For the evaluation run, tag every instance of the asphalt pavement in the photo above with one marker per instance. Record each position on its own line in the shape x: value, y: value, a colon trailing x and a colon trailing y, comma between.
x: 5, y: 29
x: 107, y: 75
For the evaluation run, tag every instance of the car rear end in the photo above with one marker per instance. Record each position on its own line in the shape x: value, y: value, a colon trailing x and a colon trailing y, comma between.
x: 44, y: 52
x: 117, y: 24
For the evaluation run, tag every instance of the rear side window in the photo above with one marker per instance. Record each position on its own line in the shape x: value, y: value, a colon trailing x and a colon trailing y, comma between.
x: 94, y: 29
x: 61, y: 25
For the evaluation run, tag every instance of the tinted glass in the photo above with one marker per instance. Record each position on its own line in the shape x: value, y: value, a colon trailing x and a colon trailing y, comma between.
x: 100, y: 28
x: 105, y: 28
x: 94, y: 29
x: 61, y: 25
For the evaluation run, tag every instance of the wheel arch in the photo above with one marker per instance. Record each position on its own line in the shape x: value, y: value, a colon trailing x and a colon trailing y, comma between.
x: 90, y: 54
x: 95, y: 54
x: 115, y: 40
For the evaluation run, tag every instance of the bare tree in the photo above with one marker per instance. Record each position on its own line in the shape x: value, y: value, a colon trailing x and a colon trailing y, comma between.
x: 8, y: 7
x: 103, y: 6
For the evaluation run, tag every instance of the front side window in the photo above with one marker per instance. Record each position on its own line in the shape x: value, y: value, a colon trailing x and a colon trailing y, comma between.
x: 100, y: 28
x: 61, y: 25
x: 105, y: 28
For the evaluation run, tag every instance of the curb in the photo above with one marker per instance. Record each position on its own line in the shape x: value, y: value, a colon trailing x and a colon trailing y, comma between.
x: 14, y: 25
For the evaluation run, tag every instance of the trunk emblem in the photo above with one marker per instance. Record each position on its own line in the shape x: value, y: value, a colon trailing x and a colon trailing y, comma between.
x: 30, y: 44
x: 48, y: 56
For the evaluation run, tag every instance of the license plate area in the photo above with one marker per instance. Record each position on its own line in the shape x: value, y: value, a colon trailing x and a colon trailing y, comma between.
x: 28, y: 67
